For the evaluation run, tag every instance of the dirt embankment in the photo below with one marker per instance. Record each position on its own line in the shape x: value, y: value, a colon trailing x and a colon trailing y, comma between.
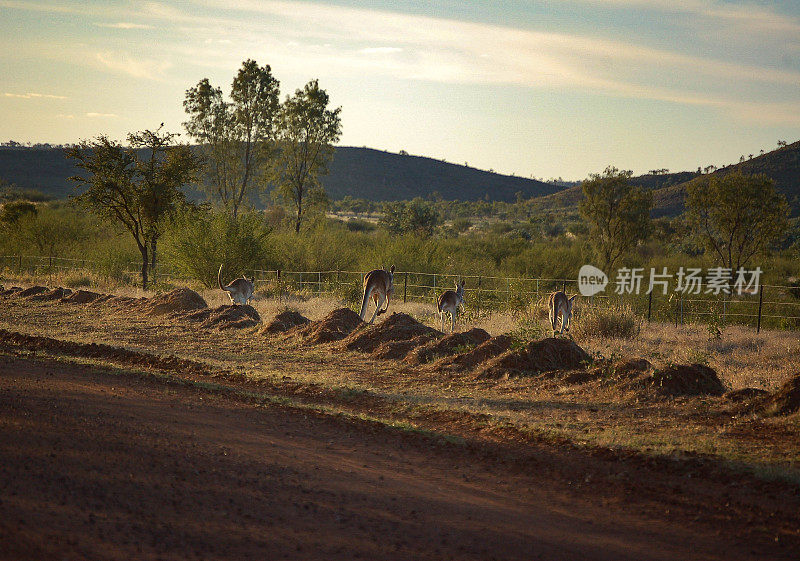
x: 547, y: 355
x: 334, y: 327
x: 284, y: 321
x: 393, y: 338
x: 453, y: 344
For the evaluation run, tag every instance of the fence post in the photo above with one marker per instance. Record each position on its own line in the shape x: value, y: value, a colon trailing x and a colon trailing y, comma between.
x: 676, y: 314
x: 681, y: 310
x: 760, y: 302
x: 280, y: 288
x: 50, y: 270
x: 478, y: 299
x: 319, y: 283
x: 405, y: 286
x: 649, y: 305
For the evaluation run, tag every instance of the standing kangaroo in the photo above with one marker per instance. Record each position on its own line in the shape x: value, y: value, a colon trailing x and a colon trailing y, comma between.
x: 448, y: 302
x: 240, y: 290
x: 559, y: 304
x: 378, y: 285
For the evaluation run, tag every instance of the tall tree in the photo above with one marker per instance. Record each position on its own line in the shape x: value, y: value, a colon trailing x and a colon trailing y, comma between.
x: 236, y: 136
x: 139, y: 193
x: 618, y: 213
x: 736, y: 216
x: 307, y: 132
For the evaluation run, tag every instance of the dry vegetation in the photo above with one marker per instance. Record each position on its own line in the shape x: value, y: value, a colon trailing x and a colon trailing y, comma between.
x: 604, y: 405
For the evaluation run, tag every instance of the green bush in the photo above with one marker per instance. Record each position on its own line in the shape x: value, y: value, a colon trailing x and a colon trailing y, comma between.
x: 202, y: 239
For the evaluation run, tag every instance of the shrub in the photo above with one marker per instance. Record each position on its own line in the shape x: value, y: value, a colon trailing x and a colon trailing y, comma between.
x: 617, y: 320
x: 202, y: 239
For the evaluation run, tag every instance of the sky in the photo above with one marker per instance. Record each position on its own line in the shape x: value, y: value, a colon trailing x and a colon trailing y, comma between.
x: 539, y: 89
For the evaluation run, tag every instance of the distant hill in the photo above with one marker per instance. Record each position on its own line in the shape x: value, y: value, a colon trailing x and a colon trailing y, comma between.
x: 669, y: 190
x: 358, y: 172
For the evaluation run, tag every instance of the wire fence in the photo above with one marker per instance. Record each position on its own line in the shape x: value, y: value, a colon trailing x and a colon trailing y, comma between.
x: 774, y: 306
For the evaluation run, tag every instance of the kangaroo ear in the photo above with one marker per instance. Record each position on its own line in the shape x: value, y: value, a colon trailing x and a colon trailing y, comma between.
x: 463, y: 283
x: 572, y: 299
x: 392, y: 269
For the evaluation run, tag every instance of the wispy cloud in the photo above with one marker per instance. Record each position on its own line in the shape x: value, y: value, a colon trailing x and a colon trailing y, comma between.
x: 33, y: 95
x: 102, y: 115
x: 124, y: 25
x: 149, y: 69
x: 380, y: 50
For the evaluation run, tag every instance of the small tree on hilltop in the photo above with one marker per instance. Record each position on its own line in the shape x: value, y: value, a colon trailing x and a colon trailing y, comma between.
x: 138, y: 193
x: 618, y: 213
x: 736, y: 216
x: 307, y: 132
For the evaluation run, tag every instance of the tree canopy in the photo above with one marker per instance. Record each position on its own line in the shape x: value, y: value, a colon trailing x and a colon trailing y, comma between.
x: 618, y: 213
x: 736, y: 216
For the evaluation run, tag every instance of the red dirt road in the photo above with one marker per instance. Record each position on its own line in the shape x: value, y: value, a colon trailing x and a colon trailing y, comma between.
x: 96, y: 464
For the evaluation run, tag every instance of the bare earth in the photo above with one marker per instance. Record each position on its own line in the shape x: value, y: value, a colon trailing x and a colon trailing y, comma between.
x: 100, y: 464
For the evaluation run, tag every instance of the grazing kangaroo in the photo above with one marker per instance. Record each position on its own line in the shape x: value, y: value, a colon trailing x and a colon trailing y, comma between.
x: 559, y: 304
x: 240, y: 290
x: 378, y: 285
x: 448, y: 302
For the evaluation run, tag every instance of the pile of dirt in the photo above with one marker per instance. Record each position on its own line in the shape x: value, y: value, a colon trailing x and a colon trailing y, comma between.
x: 32, y: 291
x: 398, y: 350
x: 396, y: 328
x: 745, y: 394
x: 54, y: 294
x: 179, y: 300
x: 10, y: 291
x: 477, y: 356
x: 226, y: 317
x: 786, y: 400
x: 448, y: 345
x: 12, y: 340
x: 334, y: 327
x: 284, y: 321
x: 83, y: 297
x: 686, y: 379
x: 547, y: 355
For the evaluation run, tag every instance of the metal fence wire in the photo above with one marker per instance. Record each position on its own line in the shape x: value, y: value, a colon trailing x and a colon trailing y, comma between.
x: 775, y: 306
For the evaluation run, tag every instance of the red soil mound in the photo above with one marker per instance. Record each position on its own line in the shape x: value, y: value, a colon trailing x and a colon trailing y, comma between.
x: 82, y: 297
x: 334, y: 327
x: 176, y: 301
x: 396, y: 328
x: 55, y: 294
x: 686, y: 379
x: 10, y: 291
x: 448, y: 345
x: 226, y: 317
x: 479, y: 355
x: 786, y: 400
x: 10, y: 340
x: 745, y: 394
x: 32, y: 291
x: 284, y: 321
x: 547, y: 355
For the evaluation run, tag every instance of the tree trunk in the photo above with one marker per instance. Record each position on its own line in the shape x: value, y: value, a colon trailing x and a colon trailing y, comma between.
x: 153, y: 243
x: 143, y: 250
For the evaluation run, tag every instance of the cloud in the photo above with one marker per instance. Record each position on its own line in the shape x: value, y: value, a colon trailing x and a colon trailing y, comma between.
x: 380, y: 50
x: 124, y: 25
x: 32, y: 95
x: 148, y: 69
x: 102, y: 115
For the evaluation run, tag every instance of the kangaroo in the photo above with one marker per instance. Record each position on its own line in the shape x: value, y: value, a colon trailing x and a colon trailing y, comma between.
x: 559, y: 304
x: 378, y: 285
x: 448, y: 302
x: 240, y: 291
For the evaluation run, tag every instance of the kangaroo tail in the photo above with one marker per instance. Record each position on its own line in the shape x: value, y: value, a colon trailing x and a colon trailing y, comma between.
x: 219, y: 278
x: 364, y: 302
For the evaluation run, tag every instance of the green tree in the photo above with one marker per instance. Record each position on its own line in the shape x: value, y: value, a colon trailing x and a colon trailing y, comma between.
x: 618, y: 213
x: 416, y: 216
x: 736, y: 216
x: 13, y: 211
x: 138, y: 193
x: 237, y: 136
x: 307, y: 132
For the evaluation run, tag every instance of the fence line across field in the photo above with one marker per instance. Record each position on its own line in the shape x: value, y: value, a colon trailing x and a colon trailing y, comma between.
x: 483, y: 292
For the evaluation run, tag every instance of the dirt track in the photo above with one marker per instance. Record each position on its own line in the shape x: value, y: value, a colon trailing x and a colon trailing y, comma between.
x: 106, y: 465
